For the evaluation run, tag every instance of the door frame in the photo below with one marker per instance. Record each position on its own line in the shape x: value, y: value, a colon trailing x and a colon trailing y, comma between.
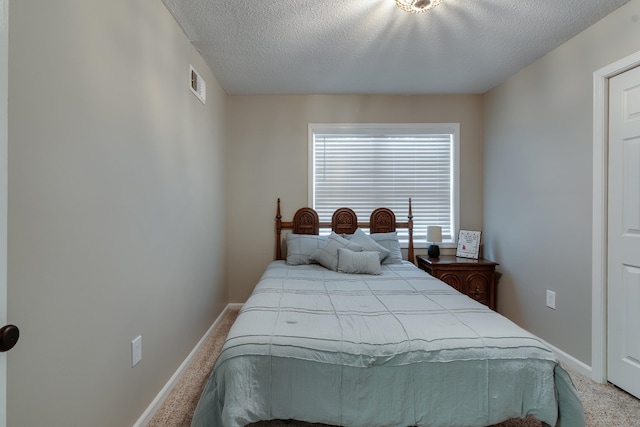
x: 600, y: 209
x: 4, y: 135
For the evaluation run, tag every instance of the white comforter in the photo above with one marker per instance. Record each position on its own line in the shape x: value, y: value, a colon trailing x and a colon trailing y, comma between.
x: 400, y: 349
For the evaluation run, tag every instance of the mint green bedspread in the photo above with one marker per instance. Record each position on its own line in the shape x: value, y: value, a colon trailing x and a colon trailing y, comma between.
x: 399, y: 349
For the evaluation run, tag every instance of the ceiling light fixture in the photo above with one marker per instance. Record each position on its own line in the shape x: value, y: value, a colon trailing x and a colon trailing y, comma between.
x: 417, y: 6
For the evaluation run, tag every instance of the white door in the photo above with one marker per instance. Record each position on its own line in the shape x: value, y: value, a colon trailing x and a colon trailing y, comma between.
x: 623, y: 281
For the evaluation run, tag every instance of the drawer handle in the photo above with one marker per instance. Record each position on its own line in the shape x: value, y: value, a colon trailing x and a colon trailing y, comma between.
x: 476, y: 294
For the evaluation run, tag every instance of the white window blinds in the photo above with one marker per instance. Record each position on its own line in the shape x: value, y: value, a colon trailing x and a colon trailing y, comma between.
x: 365, y: 169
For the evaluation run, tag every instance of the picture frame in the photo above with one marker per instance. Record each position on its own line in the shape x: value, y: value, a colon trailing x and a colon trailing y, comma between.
x: 468, y: 244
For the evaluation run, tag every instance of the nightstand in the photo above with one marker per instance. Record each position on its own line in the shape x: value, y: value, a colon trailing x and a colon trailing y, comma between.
x: 473, y: 277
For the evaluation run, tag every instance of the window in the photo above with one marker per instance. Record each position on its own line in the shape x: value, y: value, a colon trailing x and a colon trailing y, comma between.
x: 366, y: 166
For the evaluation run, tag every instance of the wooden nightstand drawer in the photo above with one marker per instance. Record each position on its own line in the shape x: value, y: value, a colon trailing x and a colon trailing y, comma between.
x: 473, y: 277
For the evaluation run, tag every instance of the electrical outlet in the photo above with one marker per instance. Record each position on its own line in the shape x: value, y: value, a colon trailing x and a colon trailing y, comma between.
x: 551, y: 299
x: 136, y: 351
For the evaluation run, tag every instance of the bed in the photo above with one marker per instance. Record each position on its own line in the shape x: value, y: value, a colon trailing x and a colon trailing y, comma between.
x: 342, y: 332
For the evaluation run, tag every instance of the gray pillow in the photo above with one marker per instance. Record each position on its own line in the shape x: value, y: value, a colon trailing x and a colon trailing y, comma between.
x: 327, y: 254
x: 301, y: 246
x: 367, y: 262
x: 368, y: 244
x: 389, y: 241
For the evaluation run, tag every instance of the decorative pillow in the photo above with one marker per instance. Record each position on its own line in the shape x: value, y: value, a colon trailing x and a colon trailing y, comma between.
x: 301, y: 246
x: 368, y: 244
x: 367, y: 262
x: 389, y: 241
x: 327, y: 254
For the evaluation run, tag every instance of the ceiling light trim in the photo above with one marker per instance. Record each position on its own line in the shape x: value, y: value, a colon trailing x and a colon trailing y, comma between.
x: 417, y: 6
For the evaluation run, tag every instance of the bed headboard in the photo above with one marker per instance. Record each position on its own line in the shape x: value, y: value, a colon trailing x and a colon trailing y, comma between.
x: 343, y: 221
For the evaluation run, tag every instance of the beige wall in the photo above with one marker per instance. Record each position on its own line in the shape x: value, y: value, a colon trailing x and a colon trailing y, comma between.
x: 116, y: 208
x: 538, y: 182
x: 268, y: 152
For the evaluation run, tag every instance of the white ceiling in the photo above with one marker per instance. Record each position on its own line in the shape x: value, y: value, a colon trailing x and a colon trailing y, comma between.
x: 372, y: 47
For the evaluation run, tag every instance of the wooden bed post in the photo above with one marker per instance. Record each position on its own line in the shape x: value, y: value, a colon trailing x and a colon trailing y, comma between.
x: 278, y: 232
x: 410, y: 254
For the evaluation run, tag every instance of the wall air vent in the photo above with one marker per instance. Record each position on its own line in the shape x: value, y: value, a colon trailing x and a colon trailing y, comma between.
x: 197, y: 84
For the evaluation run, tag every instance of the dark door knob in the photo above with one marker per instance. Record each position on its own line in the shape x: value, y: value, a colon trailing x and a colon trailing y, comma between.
x: 9, y: 335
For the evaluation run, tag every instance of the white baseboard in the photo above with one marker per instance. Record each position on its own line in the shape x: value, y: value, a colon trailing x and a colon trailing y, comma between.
x: 148, y: 414
x: 570, y: 361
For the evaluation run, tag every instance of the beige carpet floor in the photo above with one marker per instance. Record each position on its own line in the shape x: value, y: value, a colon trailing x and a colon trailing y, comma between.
x: 605, y: 405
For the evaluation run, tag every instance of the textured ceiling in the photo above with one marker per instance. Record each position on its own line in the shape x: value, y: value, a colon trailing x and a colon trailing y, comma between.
x: 372, y: 47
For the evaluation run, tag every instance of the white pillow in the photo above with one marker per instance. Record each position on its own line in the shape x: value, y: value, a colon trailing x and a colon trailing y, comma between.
x: 301, y: 246
x: 366, y: 262
x: 368, y: 244
x: 327, y: 254
x: 389, y: 241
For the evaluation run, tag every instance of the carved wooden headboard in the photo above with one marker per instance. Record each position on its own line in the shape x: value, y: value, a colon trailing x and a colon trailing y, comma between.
x: 343, y: 221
